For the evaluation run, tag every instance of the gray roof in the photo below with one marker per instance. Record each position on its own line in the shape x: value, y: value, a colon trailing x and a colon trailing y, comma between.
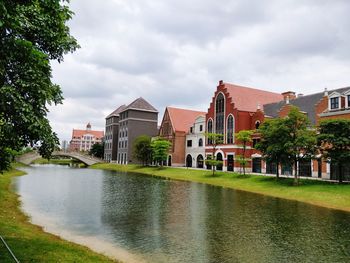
x: 140, y: 104
x: 305, y: 103
x: 117, y: 111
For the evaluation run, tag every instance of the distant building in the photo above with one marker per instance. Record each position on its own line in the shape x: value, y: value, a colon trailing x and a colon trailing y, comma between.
x: 175, y: 124
x: 82, y: 140
x: 112, y: 135
x: 136, y: 119
x: 64, y: 145
x: 195, y: 144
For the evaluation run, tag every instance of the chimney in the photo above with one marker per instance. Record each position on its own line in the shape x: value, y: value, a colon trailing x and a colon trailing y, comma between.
x: 288, y: 95
x: 325, y: 92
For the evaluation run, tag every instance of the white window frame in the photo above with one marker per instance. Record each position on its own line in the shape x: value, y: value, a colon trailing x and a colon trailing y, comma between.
x: 332, y: 96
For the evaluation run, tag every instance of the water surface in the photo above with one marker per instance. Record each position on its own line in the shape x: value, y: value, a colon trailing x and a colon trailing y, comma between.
x: 158, y: 220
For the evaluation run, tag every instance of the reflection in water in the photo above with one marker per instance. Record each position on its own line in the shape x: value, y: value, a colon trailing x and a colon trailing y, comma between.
x: 168, y: 221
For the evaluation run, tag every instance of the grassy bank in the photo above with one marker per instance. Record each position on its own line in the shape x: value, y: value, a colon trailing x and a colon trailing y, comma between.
x: 28, y: 242
x: 314, y: 192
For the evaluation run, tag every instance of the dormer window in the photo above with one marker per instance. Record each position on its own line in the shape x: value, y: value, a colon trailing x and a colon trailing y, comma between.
x: 334, y: 103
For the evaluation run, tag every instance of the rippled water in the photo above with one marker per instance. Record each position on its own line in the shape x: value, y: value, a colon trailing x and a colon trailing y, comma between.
x: 169, y: 221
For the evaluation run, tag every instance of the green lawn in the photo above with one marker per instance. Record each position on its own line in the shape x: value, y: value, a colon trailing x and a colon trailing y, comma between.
x: 28, y: 242
x: 319, y: 193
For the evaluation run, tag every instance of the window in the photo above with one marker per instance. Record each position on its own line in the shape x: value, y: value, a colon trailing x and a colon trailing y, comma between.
x: 201, y: 126
x: 210, y: 129
x: 189, y: 143
x: 191, y: 130
x: 255, y: 141
x: 257, y: 125
x: 219, y: 109
x: 334, y: 103
x: 200, y: 142
x: 348, y: 101
x: 230, y: 129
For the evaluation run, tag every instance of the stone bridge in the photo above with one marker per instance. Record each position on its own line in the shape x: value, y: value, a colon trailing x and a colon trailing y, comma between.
x: 28, y: 158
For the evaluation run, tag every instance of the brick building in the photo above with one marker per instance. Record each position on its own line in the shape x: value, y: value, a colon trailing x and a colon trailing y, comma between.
x: 82, y: 140
x: 175, y: 125
x: 235, y: 108
x: 319, y: 106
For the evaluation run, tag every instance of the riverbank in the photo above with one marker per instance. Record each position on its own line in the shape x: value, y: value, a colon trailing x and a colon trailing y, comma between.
x: 320, y: 193
x: 29, y: 242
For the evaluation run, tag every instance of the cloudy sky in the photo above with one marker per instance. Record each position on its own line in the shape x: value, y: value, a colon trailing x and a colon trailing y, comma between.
x: 175, y: 52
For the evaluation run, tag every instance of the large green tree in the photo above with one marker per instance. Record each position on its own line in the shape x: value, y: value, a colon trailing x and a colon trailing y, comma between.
x: 334, y: 142
x: 160, y: 150
x: 142, y: 149
x: 31, y: 34
x: 97, y: 150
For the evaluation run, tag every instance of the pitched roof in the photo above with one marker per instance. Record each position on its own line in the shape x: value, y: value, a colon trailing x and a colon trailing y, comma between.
x: 117, y: 111
x: 183, y: 119
x: 248, y: 99
x: 81, y: 133
x: 140, y: 104
x: 305, y: 103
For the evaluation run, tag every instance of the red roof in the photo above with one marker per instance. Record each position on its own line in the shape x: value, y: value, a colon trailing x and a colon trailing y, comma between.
x: 248, y: 99
x: 80, y: 133
x: 183, y: 119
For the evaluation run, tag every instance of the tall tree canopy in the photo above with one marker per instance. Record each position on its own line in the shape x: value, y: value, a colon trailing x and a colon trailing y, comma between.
x: 334, y: 142
x: 31, y: 34
x: 142, y: 149
x: 160, y: 150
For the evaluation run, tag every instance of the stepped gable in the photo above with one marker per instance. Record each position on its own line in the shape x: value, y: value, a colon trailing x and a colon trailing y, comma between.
x: 117, y: 111
x: 305, y: 103
x: 140, y: 104
x: 248, y: 99
x: 183, y: 119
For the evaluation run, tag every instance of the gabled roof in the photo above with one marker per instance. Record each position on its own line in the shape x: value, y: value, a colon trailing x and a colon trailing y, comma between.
x: 305, y: 103
x: 81, y: 133
x: 140, y: 104
x: 117, y: 111
x: 183, y: 119
x: 248, y: 99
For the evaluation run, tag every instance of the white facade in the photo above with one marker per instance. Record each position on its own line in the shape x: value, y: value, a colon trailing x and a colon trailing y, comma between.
x: 195, y: 144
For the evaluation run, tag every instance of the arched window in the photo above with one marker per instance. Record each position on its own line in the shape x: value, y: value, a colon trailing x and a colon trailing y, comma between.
x: 230, y: 129
x: 210, y: 129
x: 220, y: 112
x: 200, y: 142
x: 257, y: 124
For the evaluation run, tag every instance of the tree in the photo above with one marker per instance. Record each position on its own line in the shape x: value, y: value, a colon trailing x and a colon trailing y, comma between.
x: 301, y: 143
x: 287, y: 140
x: 273, y: 142
x: 97, y: 150
x: 244, y: 136
x: 215, y: 139
x: 160, y: 149
x: 142, y: 149
x: 31, y: 34
x: 334, y: 142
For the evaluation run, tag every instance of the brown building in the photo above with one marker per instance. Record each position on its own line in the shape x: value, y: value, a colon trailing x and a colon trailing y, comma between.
x: 138, y: 118
x: 175, y: 125
x: 82, y: 140
x: 112, y: 135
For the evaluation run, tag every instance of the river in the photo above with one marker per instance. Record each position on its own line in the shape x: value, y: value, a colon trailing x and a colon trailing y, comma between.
x: 139, y: 218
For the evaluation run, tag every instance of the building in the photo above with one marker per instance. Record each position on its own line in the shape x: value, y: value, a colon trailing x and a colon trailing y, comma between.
x: 64, y: 145
x: 138, y: 118
x: 235, y: 108
x: 319, y: 106
x: 112, y: 135
x: 195, y: 144
x: 175, y: 125
x: 82, y: 140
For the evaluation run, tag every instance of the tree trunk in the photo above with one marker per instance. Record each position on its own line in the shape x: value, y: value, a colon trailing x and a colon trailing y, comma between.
x: 296, y: 179
x: 243, y: 158
x: 277, y: 171
x: 340, y: 173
